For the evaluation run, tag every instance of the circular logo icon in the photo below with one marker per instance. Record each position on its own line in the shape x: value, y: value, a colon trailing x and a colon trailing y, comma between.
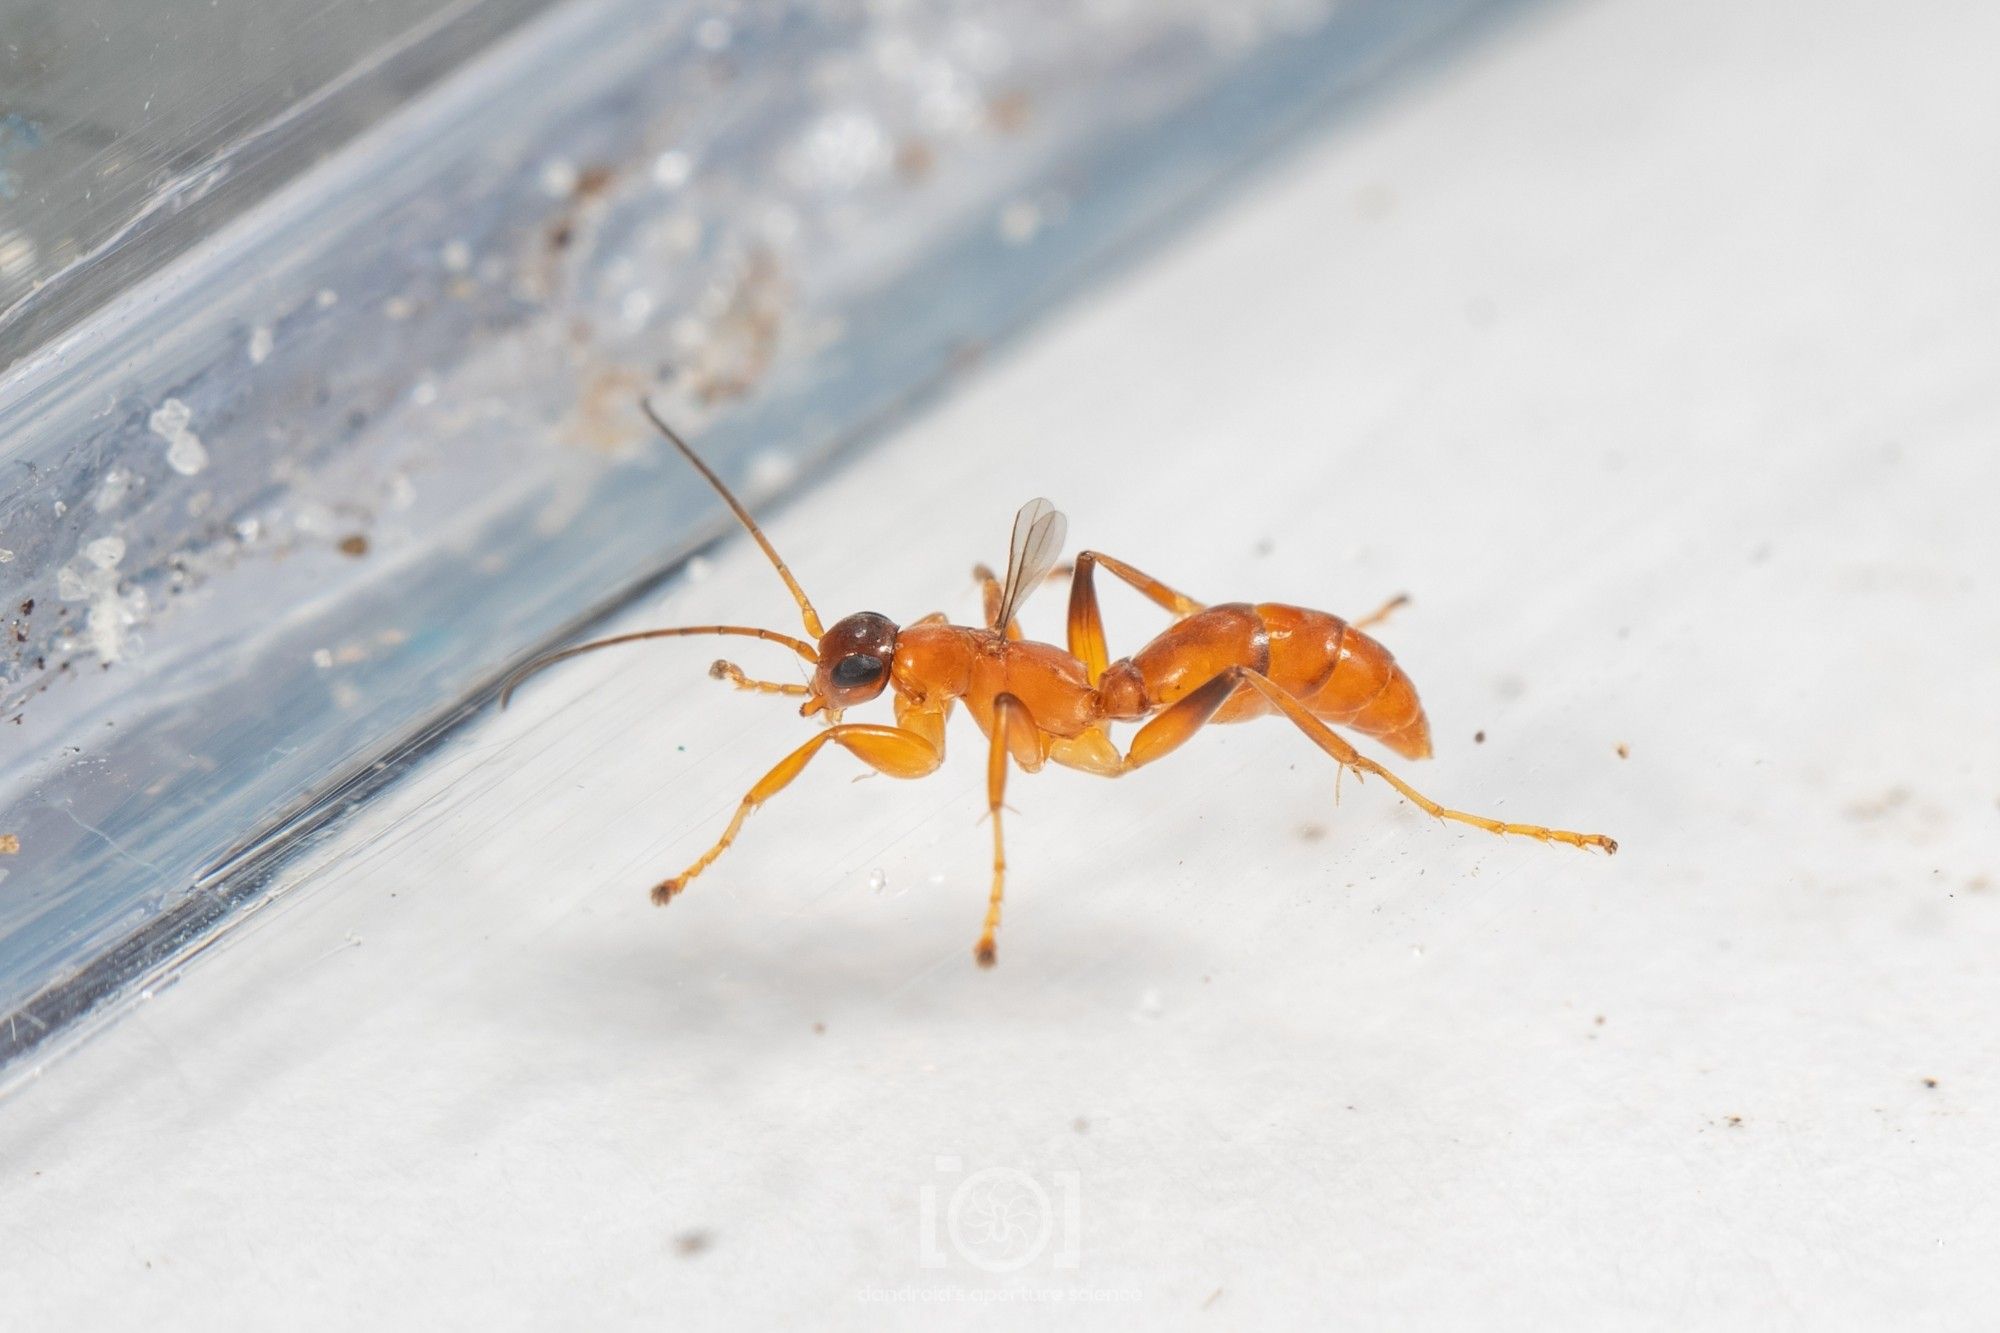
x: 1000, y: 1219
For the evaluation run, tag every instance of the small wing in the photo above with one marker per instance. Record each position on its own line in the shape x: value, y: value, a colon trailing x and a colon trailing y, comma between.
x: 1039, y: 530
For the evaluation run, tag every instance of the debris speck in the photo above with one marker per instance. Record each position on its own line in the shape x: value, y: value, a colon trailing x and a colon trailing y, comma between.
x: 690, y: 1243
x: 262, y: 340
x: 170, y: 418
x: 1880, y: 806
x: 1479, y: 738
x: 559, y: 178
x: 170, y: 421
x: 354, y: 544
x: 1930, y: 1083
x: 842, y: 149
x: 1080, y: 1125
x: 326, y: 298
x: 112, y: 491
x: 1009, y: 112
x: 672, y: 169
x: 1624, y: 750
x: 770, y: 470
x: 187, y: 456
x: 456, y: 256
x: 636, y: 307
x: 878, y: 880
x: 105, y: 552
x: 10, y: 844
x: 1019, y: 221
x: 914, y: 160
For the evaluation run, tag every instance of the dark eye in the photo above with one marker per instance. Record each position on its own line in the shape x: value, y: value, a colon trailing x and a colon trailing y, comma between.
x: 856, y: 669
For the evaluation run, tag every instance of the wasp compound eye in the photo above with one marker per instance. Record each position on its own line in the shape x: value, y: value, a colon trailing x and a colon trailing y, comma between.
x: 856, y: 669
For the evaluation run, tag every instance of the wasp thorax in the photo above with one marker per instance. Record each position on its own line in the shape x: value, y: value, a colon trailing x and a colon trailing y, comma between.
x: 854, y: 660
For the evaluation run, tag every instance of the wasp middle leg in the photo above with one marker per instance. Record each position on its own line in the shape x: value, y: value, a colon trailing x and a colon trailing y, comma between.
x: 1012, y: 726
x: 989, y: 596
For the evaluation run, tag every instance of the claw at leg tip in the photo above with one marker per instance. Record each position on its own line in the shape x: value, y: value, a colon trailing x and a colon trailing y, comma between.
x: 664, y: 893
x: 985, y: 953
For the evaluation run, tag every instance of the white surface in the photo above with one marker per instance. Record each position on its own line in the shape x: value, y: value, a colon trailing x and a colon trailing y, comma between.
x: 1654, y: 350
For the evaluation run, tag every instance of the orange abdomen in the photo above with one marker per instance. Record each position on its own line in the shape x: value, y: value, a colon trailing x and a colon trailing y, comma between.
x: 1345, y: 677
x: 1337, y: 671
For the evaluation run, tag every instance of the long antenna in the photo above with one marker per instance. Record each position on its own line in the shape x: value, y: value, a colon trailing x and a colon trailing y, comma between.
x: 513, y: 682
x: 806, y: 611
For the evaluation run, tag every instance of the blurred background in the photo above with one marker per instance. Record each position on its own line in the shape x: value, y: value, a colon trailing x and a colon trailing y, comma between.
x: 1649, y: 347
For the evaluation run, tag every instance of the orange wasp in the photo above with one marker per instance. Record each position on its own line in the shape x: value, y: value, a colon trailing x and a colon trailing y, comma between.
x: 1036, y: 702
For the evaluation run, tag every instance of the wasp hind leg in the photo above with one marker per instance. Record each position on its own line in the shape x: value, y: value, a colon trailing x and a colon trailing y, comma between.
x: 1173, y: 727
x: 1382, y: 612
x: 1086, y: 622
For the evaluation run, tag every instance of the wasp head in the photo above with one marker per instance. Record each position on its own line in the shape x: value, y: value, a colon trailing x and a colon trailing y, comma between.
x: 854, y: 658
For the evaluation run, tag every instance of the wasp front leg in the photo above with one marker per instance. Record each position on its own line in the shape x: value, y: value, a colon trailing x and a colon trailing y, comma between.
x: 890, y: 750
x: 732, y: 673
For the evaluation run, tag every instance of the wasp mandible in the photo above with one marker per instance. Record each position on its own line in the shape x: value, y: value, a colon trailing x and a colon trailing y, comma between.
x: 1036, y: 702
